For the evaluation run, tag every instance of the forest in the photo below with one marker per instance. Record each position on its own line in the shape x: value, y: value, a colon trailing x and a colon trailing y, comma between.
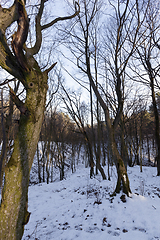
x: 79, y: 90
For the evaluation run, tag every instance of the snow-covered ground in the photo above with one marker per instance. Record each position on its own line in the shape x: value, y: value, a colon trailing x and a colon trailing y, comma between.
x: 81, y: 208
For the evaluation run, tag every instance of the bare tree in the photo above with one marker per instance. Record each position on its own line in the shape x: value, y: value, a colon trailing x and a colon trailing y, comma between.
x: 86, y: 48
x: 73, y: 105
x: 148, y: 55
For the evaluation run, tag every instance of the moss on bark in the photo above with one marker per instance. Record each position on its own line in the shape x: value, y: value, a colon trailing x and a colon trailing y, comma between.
x: 13, y: 210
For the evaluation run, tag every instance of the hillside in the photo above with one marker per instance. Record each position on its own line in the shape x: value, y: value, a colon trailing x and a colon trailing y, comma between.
x: 81, y: 208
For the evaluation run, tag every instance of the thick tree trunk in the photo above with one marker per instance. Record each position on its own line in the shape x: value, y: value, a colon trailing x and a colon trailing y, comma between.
x: 23, y: 66
x: 122, y: 180
x: 13, y: 210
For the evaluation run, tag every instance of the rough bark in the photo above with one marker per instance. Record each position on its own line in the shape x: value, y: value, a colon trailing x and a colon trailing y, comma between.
x: 13, y: 211
x: 3, y: 151
x: 13, y: 208
x: 122, y: 180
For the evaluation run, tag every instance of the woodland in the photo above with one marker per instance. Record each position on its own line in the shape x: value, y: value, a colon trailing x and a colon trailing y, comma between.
x: 79, y: 79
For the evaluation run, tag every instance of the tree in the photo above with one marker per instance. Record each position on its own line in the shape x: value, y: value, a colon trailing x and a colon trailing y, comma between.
x: 74, y: 107
x: 86, y: 49
x: 148, y: 54
x: 20, y: 62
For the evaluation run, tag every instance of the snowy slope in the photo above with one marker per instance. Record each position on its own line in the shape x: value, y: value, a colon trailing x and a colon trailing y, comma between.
x: 81, y: 208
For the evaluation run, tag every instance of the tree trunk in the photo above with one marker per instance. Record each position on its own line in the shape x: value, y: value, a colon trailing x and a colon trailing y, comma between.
x: 103, y: 147
x: 122, y: 180
x: 22, y: 65
x: 157, y: 137
x: 137, y: 144
x: 156, y: 115
x: 13, y: 211
x: 124, y: 150
x: 140, y: 140
x: 39, y: 166
x: 148, y: 149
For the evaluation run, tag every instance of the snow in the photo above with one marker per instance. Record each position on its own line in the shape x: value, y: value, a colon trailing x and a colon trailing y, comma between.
x: 82, y: 208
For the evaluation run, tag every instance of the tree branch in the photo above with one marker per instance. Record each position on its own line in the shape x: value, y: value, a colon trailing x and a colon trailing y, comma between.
x: 6, y: 81
x: 50, y: 68
x: 34, y: 50
x: 19, y: 104
x: 77, y: 11
x: 8, y: 16
x: 7, y: 60
x: 19, y: 38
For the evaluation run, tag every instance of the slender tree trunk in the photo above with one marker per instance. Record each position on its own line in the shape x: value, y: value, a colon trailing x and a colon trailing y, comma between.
x: 90, y: 152
x: 131, y: 153
x: 44, y: 145
x: 148, y: 149
x: 140, y: 150
x: 39, y: 166
x: 157, y: 137
x: 79, y: 148
x: 108, y: 162
x: 156, y: 115
x: 130, y: 146
x: 137, y: 144
x: 98, y: 145
x: 91, y: 161
x: 103, y: 147
x: 73, y: 165
x: 13, y: 210
x: 93, y: 134
x: 52, y: 156
x: 124, y: 150
x: 48, y: 161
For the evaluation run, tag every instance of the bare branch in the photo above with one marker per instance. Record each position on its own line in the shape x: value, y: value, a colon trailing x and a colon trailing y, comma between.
x: 20, y: 37
x: 7, y: 60
x: 6, y: 81
x: 77, y: 11
x: 36, y: 48
x: 50, y: 68
x: 19, y: 104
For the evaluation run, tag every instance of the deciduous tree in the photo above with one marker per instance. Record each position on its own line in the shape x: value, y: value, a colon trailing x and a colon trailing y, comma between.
x: 20, y: 62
